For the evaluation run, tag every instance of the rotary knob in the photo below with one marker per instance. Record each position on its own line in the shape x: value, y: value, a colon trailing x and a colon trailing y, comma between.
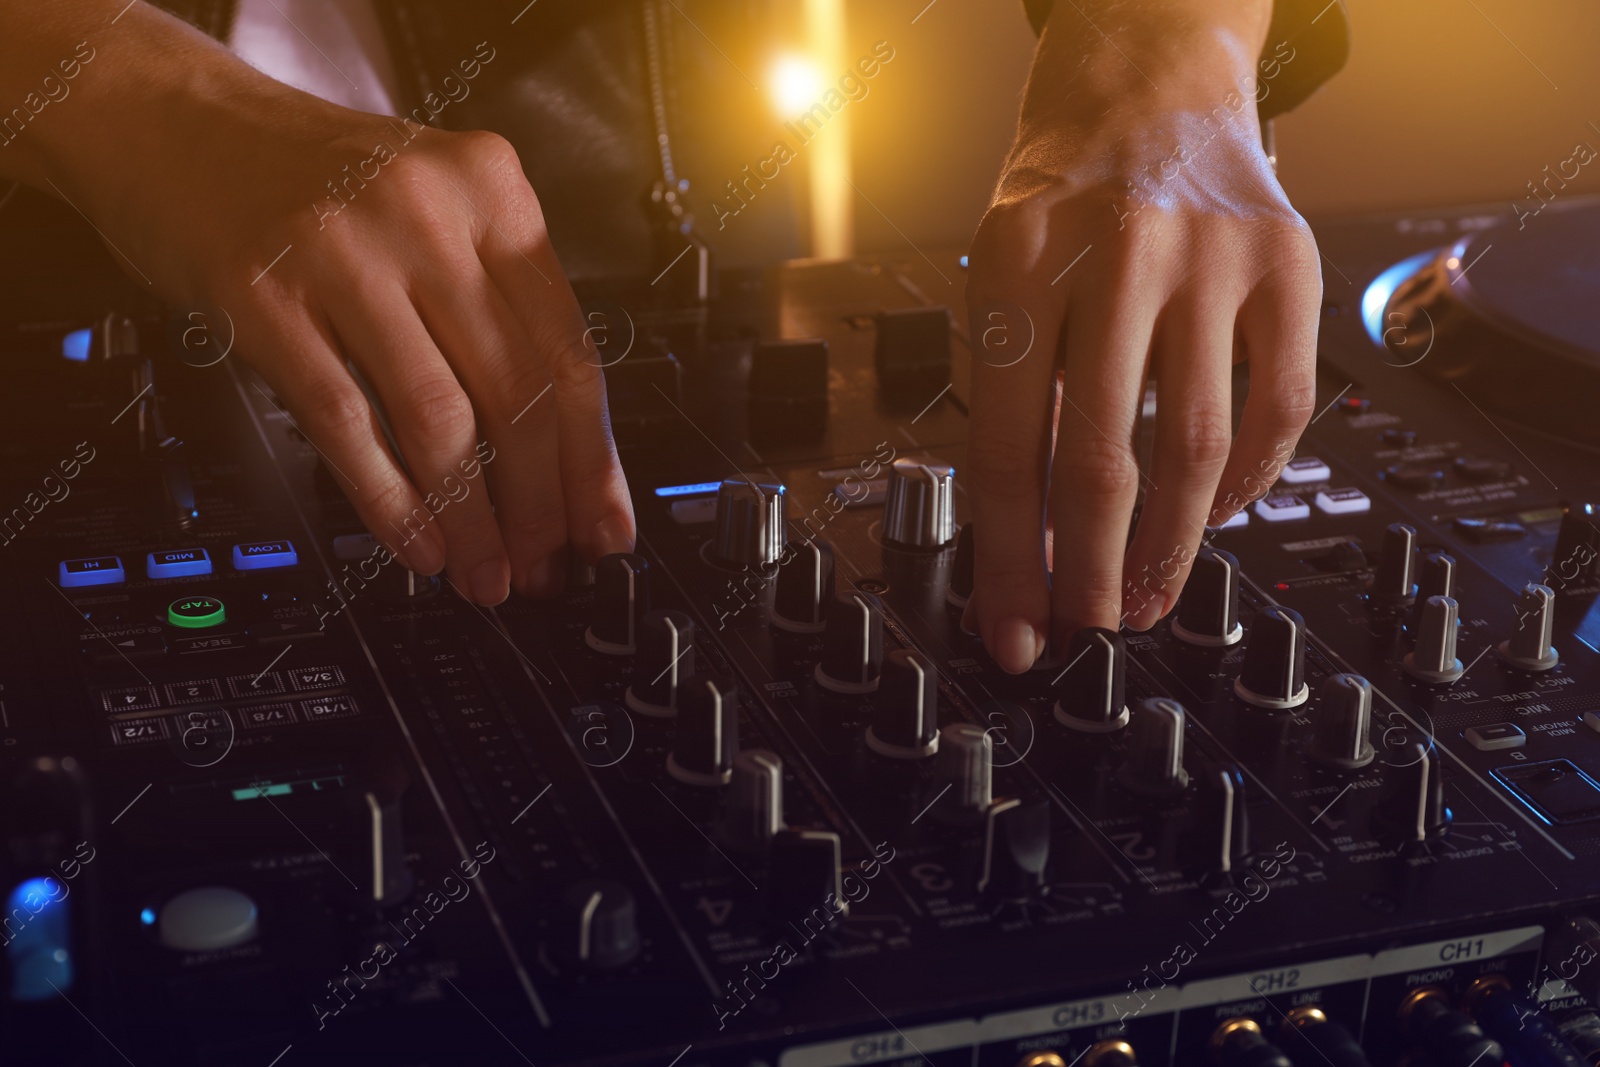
x: 1576, y: 560
x: 918, y: 504
x: 803, y: 874
x: 1412, y: 805
x: 961, y: 570
x: 621, y: 599
x: 1436, y: 576
x: 754, y: 811
x: 1090, y: 692
x: 1273, y: 675
x: 1392, y: 583
x: 708, y: 731
x: 1343, y: 723
x: 1016, y: 849
x: 906, y: 724
x: 1223, y: 822
x: 805, y: 586
x: 1208, y: 611
x: 966, y: 771
x: 600, y: 925
x: 664, y: 662
x: 852, y: 652
x: 751, y: 522
x: 1434, y: 659
x: 1154, y: 765
x: 1528, y: 647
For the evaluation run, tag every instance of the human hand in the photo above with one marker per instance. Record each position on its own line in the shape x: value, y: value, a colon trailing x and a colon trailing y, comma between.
x: 1191, y: 258
x: 418, y: 255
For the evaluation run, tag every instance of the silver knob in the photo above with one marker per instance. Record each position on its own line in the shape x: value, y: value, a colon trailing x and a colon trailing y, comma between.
x: 751, y: 520
x: 1528, y: 647
x: 754, y: 811
x: 966, y: 766
x: 1435, y: 657
x: 918, y: 505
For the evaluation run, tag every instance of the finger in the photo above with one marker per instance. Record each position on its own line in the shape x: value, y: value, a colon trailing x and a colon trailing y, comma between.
x: 515, y: 249
x: 1194, y: 429
x: 510, y: 391
x: 433, y: 423
x: 305, y: 370
x: 1008, y: 450
x: 1278, y: 323
x: 1094, y: 478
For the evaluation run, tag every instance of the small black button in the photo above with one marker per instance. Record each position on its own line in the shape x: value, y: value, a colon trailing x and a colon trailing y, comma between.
x: 1483, y: 469
x: 1485, y: 531
x: 1400, y: 438
x: 1417, y: 477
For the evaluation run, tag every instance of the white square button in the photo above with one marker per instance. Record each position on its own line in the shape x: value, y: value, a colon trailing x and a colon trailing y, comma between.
x: 1305, y: 469
x: 1283, y: 508
x: 1343, y: 501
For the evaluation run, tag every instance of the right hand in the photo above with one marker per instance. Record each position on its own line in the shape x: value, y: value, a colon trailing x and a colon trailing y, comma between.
x: 432, y: 274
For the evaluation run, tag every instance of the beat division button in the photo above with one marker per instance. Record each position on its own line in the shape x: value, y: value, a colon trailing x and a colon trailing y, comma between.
x: 196, y: 612
x: 303, y: 678
x: 193, y: 692
x: 1499, y: 735
x: 138, y: 731
x: 1305, y: 469
x: 138, y: 698
x: 264, y: 555
x: 1343, y: 501
x: 329, y: 708
x: 267, y: 716
x: 352, y: 547
x: 1283, y: 508
x: 101, y: 570
x: 177, y: 563
x: 266, y: 683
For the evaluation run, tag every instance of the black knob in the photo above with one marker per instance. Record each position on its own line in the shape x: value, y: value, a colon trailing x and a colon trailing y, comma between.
x: 664, y: 662
x: 754, y: 800
x: 1155, y: 749
x: 852, y: 652
x: 1222, y: 819
x: 1273, y: 675
x: 803, y: 876
x: 1343, y: 723
x: 1434, y: 659
x: 919, y: 504
x: 966, y: 769
x: 1392, y: 583
x: 750, y: 523
x: 906, y: 722
x: 599, y: 928
x: 1016, y: 849
x: 621, y: 600
x: 1436, y: 576
x: 1576, y: 560
x: 805, y: 586
x: 1208, y: 610
x: 1528, y: 647
x: 960, y: 590
x: 1412, y: 806
x: 1090, y: 690
x: 708, y: 731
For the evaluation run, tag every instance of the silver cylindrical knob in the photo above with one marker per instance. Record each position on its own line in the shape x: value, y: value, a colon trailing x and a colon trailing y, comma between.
x: 918, y: 504
x: 966, y: 769
x: 750, y: 522
x: 1528, y: 647
x: 754, y: 804
x: 1435, y: 657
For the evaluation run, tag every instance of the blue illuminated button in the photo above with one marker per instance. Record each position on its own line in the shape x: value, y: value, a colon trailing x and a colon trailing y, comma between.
x: 39, y: 949
x: 102, y: 570
x: 264, y: 555
x: 694, y: 489
x: 178, y: 563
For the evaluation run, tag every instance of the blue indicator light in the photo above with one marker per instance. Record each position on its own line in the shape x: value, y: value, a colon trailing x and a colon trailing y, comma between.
x: 689, y: 490
x: 75, y: 345
x: 1375, y: 301
x: 264, y: 555
x: 101, y: 570
x: 178, y: 563
x: 963, y: 262
x: 37, y: 922
x: 148, y: 916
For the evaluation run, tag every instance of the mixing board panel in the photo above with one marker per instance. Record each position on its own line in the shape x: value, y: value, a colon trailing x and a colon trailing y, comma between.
x: 751, y: 795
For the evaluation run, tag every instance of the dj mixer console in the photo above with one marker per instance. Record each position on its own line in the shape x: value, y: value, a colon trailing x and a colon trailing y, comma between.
x: 750, y: 795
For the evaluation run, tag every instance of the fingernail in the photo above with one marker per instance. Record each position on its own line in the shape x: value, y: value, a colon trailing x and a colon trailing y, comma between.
x: 612, y: 534
x: 1016, y: 645
x: 425, y: 553
x: 544, y: 578
x: 491, y: 582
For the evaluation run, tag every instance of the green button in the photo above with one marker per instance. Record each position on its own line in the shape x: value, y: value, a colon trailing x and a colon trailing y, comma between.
x: 196, y: 612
